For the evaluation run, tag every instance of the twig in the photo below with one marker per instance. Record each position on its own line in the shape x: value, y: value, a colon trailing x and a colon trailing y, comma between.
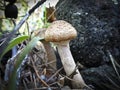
x: 17, y: 27
x: 25, y: 85
x: 38, y: 74
x: 113, y: 63
x: 47, y: 63
x: 34, y: 80
x: 54, y: 74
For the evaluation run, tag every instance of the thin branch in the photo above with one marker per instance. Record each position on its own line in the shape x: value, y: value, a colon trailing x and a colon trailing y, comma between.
x: 36, y: 72
x: 113, y: 63
x: 54, y: 74
x: 18, y: 26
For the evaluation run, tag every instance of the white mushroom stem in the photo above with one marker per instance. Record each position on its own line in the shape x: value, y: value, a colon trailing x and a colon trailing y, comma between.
x: 69, y: 64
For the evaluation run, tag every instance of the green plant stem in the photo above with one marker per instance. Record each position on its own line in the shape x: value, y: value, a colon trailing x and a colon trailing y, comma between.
x: 18, y: 26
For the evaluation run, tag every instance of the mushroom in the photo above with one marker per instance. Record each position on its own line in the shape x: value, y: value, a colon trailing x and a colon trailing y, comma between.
x: 49, y: 49
x: 60, y: 33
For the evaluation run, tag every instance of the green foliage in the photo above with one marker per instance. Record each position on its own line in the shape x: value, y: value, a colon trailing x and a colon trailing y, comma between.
x: 35, y: 22
x: 13, y: 43
x: 46, y: 23
x: 24, y: 52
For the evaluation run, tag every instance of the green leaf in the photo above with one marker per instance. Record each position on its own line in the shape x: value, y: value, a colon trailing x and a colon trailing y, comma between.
x: 13, y: 43
x: 24, y: 52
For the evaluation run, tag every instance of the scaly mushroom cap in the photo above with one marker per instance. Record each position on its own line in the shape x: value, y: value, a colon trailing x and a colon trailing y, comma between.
x: 60, y: 30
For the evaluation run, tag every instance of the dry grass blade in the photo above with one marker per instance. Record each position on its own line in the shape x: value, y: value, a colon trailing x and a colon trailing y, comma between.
x: 57, y: 72
x: 38, y: 75
x: 113, y: 63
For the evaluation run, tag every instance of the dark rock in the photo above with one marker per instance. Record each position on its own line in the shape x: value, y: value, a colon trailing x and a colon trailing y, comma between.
x: 98, y: 42
x: 103, y: 75
x: 97, y: 23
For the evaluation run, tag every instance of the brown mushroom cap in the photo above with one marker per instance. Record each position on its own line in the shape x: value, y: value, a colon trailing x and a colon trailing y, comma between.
x: 60, y: 30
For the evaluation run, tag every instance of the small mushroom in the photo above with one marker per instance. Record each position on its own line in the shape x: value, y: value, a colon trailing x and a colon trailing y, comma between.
x: 60, y: 33
x: 49, y: 50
